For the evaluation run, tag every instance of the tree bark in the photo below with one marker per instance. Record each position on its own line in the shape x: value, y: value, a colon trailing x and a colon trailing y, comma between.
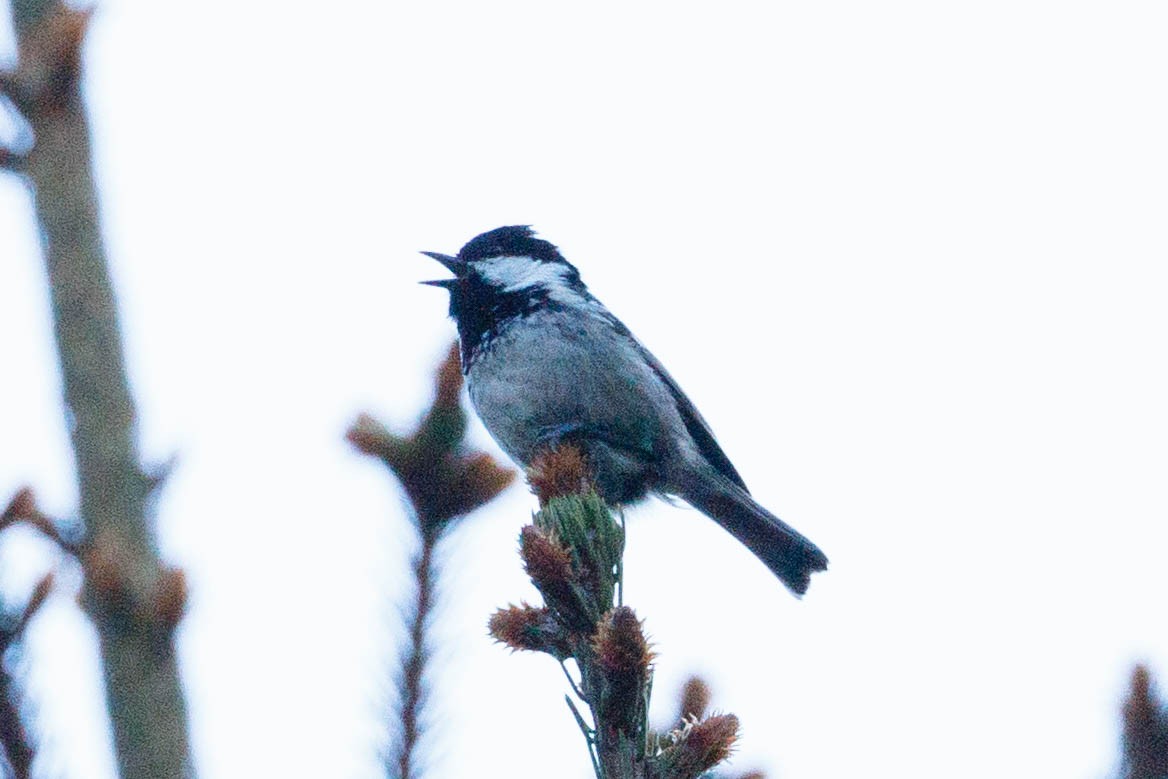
x: 133, y: 600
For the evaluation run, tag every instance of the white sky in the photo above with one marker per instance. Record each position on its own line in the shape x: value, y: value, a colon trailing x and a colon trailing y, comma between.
x: 907, y: 258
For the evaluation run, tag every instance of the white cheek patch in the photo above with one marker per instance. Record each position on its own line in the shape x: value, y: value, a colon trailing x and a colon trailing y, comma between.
x: 513, y: 274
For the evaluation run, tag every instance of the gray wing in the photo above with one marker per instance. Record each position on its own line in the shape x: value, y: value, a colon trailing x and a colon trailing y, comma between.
x: 697, y: 427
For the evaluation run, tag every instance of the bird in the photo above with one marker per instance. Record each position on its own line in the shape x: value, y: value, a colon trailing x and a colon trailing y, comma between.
x: 546, y: 364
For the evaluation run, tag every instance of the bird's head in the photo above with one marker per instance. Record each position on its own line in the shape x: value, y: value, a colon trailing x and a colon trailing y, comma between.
x: 505, y: 273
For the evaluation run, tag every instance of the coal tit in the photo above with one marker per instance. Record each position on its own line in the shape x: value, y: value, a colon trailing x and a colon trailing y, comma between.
x: 546, y: 363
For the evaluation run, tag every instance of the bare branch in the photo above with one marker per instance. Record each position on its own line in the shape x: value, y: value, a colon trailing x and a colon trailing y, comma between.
x: 23, y: 509
x: 10, y: 160
x: 127, y: 591
x: 15, y: 743
x: 26, y: 14
x: 13, y: 627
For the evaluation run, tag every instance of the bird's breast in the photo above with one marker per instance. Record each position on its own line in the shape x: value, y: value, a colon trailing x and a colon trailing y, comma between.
x: 549, y: 372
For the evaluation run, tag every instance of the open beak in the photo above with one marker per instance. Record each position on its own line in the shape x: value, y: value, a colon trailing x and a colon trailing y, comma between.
x: 453, y: 264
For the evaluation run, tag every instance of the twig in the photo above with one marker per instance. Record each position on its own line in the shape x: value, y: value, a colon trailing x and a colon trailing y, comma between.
x: 414, y: 665
x: 10, y: 160
x: 589, y: 733
x: 571, y: 682
x: 23, y: 509
x: 15, y: 743
x: 125, y: 582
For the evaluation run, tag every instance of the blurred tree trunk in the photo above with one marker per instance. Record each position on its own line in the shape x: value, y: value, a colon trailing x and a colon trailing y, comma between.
x: 133, y: 600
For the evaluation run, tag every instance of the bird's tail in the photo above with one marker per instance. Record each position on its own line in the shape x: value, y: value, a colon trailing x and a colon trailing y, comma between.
x: 789, y: 555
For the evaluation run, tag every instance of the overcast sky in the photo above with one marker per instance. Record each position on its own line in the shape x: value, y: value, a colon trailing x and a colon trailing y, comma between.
x: 908, y: 258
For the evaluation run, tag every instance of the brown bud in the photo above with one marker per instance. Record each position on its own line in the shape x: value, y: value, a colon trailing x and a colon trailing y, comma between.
x: 620, y: 643
x: 22, y: 506
x: 623, y: 656
x: 370, y: 436
x: 170, y: 597
x: 549, y: 564
x: 528, y: 628
x: 480, y: 479
x: 561, y: 470
x: 546, y: 561
x: 714, y: 738
x: 695, y: 698
x: 699, y: 747
x: 105, y: 568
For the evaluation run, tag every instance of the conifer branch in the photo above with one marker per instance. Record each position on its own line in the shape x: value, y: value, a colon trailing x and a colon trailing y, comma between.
x: 444, y: 481
x: 572, y: 552
x: 1145, y: 729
